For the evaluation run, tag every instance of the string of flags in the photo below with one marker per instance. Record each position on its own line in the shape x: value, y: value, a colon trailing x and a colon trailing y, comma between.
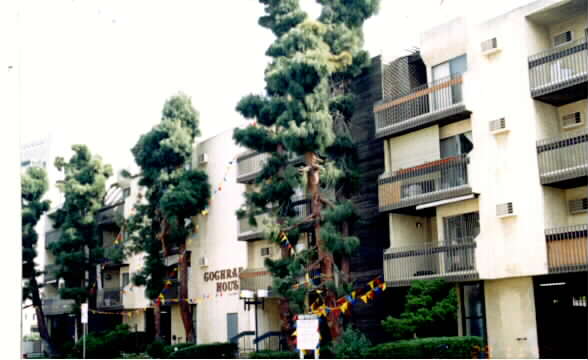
x: 219, y: 187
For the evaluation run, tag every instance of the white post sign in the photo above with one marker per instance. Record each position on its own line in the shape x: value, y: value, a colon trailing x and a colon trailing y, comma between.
x: 84, y: 313
x: 307, y: 328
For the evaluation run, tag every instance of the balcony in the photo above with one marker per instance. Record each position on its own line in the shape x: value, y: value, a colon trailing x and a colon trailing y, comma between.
x: 249, y: 165
x: 428, y: 182
x: 255, y: 279
x: 563, y: 160
x: 559, y: 76
x: 246, y: 232
x: 109, y: 215
x: 52, y: 237
x: 50, y: 271
x: 452, y: 262
x: 109, y: 298
x: 56, y: 306
x: 439, y: 102
x: 567, y: 248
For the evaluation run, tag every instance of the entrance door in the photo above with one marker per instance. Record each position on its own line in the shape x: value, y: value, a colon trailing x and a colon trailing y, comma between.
x: 232, y: 325
x: 560, y: 302
x: 166, y: 323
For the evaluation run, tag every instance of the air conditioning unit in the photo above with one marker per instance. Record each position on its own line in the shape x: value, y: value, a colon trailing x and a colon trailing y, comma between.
x: 578, y: 206
x: 202, y: 158
x: 203, y: 261
x: 563, y: 38
x: 572, y: 120
x: 498, y: 126
x: 505, y: 210
x: 489, y: 46
x: 266, y: 251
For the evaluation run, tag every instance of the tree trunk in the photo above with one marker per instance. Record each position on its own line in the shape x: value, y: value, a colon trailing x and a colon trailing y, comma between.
x: 345, y: 260
x: 43, y: 332
x: 311, y: 160
x: 285, y: 317
x: 157, y: 319
x: 185, y: 307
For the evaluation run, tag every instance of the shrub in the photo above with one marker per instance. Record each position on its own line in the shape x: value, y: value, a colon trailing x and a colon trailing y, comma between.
x: 455, y: 347
x: 135, y: 356
x: 157, y: 350
x: 206, y: 351
x: 351, y: 345
x: 268, y: 354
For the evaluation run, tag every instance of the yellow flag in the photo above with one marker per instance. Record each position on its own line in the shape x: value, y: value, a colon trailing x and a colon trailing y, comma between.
x: 383, y: 286
x: 364, y: 298
x: 295, y: 333
x: 353, y: 294
x: 371, y: 284
x: 344, y: 307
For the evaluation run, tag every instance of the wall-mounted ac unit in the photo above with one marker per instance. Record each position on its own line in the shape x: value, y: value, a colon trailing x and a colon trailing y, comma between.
x: 505, y: 210
x: 578, y: 206
x: 563, y: 38
x: 202, y: 158
x: 498, y: 126
x: 489, y: 46
x: 266, y: 251
x: 203, y: 261
x: 572, y: 120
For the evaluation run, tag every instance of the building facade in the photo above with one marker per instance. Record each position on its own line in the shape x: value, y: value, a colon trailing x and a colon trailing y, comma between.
x: 485, y: 138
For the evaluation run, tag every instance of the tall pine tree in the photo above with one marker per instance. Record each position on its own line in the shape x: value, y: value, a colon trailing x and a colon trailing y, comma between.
x: 175, y: 193
x: 33, y: 186
x: 306, y: 111
x: 79, y: 248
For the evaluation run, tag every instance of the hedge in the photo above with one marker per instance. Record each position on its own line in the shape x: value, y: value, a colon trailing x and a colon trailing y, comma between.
x: 455, y: 347
x: 207, y: 351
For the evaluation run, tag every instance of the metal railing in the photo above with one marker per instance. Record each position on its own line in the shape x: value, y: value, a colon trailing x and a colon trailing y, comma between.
x: 52, y: 237
x: 50, y: 271
x: 431, y: 181
x: 425, y: 104
x: 255, y: 279
x: 563, y: 157
x: 109, y: 215
x: 57, y: 306
x: 109, y: 297
x: 430, y: 261
x: 567, y: 248
x: 301, y: 205
x: 272, y: 341
x: 249, y: 165
x: 244, y: 341
x: 559, y: 67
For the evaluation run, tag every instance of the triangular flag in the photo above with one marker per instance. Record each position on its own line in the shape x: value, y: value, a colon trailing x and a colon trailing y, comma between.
x: 364, y: 298
x: 353, y: 294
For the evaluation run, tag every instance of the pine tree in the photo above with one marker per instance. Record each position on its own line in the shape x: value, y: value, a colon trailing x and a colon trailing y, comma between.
x: 79, y: 248
x: 34, y: 185
x: 174, y: 195
x: 306, y: 111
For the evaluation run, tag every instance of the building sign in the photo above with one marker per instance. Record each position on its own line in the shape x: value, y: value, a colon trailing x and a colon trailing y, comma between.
x: 307, y: 328
x: 226, y: 280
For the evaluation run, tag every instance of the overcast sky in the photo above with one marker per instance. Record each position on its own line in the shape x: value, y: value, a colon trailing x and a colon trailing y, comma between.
x: 98, y: 72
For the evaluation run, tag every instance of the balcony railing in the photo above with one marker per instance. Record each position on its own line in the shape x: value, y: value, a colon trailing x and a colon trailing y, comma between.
x: 567, y: 248
x: 560, y: 68
x: 454, y: 262
x: 563, y: 158
x: 109, y: 298
x: 52, y: 237
x: 249, y: 165
x: 255, y: 279
x: 50, y: 271
x: 438, y: 101
x: 56, y: 306
x: 432, y: 181
x: 110, y: 214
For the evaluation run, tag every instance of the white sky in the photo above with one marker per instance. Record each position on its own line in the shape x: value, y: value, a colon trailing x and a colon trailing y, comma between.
x: 98, y: 72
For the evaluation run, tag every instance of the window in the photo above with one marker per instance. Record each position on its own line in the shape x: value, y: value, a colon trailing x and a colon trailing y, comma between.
x: 267, y: 251
x: 563, y: 38
x: 417, y: 188
x: 461, y: 228
x: 126, y: 277
x: 473, y: 312
x: 456, y: 145
x: 443, y: 72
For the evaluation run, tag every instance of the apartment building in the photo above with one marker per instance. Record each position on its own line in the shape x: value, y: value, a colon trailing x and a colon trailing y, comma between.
x: 486, y: 162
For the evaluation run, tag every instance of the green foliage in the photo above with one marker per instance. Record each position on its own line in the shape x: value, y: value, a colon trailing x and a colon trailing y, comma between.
x: 174, y: 195
x: 268, y: 354
x: 158, y: 350
x: 458, y: 347
x: 111, y: 344
x: 206, y: 351
x: 351, y: 345
x: 84, y: 187
x: 430, y: 310
x: 34, y: 184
